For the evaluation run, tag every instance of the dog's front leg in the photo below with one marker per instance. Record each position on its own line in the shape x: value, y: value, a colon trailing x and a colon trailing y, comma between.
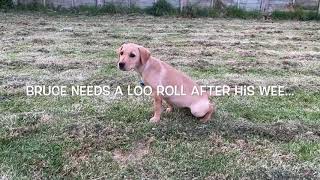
x: 157, y: 108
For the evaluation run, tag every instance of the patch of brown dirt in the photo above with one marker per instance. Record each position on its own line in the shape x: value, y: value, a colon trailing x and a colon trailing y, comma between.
x: 21, y: 131
x: 247, y: 53
x: 31, y: 124
x: 244, y: 66
x: 22, y: 33
x: 59, y: 67
x: 76, y: 157
x: 206, y: 43
x: 42, y: 23
x: 245, y: 63
x: 43, y: 50
x: 260, y: 159
x: 15, y: 64
x: 81, y: 34
x: 99, y: 134
x: 140, y: 149
x: 12, y: 83
x: 90, y: 42
x: 290, y: 63
x: 199, y: 64
x: 50, y: 29
x: 43, y: 41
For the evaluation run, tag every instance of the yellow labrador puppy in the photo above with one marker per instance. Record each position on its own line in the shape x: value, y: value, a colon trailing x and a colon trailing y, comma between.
x: 160, y: 75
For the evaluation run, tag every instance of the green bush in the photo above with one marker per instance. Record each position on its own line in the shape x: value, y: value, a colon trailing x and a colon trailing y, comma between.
x: 282, y: 15
x: 235, y: 12
x: 31, y: 7
x: 297, y: 14
x: 161, y: 8
x: 84, y: 10
x: 305, y: 15
x: 6, y: 4
x: 194, y: 11
x: 213, y: 12
x: 107, y: 9
x: 311, y: 15
x: 91, y: 10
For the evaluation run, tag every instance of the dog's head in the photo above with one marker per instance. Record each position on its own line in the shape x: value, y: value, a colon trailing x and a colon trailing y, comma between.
x: 131, y: 56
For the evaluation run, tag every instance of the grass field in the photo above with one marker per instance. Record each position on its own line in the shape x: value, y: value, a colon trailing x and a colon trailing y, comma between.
x: 250, y: 137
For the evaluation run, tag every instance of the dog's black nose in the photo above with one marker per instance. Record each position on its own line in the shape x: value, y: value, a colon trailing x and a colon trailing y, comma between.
x: 121, y: 66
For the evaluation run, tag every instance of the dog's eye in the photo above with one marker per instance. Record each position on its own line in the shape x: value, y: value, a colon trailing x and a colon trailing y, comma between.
x: 132, y: 55
x: 121, y: 53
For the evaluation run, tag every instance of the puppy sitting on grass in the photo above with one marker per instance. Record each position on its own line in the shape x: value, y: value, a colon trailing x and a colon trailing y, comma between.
x: 155, y: 73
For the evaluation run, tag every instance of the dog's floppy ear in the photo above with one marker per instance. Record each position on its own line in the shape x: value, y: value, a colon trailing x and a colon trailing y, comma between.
x: 120, y: 48
x: 144, y: 54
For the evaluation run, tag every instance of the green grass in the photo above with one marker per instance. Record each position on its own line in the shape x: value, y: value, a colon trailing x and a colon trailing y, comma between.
x: 57, y: 105
x: 33, y: 154
x: 185, y: 160
x: 302, y: 106
x: 305, y: 150
x: 181, y: 149
x: 72, y: 137
x: 12, y: 56
x: 119, y: 112
x: 244, y: 69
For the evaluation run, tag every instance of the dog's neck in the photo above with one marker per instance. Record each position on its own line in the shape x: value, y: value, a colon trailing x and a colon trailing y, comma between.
x: 141, y: 68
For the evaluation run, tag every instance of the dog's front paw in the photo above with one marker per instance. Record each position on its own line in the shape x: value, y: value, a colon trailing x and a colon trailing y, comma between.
x: 155, y: 120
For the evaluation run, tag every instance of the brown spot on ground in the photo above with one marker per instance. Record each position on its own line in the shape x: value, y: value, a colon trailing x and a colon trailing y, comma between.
x: 43, y: 41
x: 21, y: 131
x: 15, y: 64
x: 100, y: 135
x: 77, y: 157
x: 46, y: 118
x: 140, y: 149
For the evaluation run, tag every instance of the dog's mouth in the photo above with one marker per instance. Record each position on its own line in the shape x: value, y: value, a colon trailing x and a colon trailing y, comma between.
x: 124, y: 69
